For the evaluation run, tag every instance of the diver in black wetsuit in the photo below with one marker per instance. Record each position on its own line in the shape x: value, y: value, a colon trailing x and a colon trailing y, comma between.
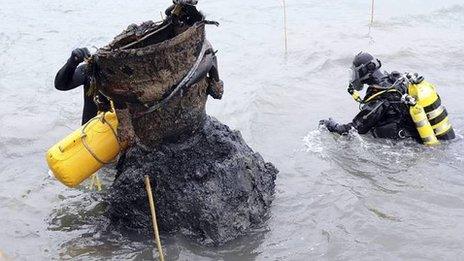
x: 73, y: 75
x: 383, y: 113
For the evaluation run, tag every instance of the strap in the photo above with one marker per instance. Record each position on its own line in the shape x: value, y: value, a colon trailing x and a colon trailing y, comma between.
x: 182, y: 84
x: 373, y: 110
x: 379, y: 94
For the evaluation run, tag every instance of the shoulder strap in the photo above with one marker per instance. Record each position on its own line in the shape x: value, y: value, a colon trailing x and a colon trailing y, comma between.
x: 377, y: 95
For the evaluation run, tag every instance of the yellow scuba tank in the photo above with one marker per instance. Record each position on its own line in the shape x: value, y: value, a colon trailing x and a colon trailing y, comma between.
x: 423, y: 126
x: 430, y: 117
x: 86, y: 150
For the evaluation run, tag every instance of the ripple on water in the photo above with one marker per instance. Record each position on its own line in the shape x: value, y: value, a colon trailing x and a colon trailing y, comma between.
x: 339, y: 198
x: 390, y: 165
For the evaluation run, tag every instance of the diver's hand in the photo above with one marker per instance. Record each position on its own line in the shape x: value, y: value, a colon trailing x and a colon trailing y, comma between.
x: 78, y: 55
x: 185, y: 2
x: 215, y: 88
x: 168, y: 11
x: 176, y: 3
x: 330, y: 124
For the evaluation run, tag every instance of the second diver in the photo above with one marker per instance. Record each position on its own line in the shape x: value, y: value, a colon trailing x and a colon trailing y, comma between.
x: 389, y: 109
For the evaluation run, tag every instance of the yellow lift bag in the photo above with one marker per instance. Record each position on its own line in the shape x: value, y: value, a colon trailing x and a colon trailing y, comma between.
x: 430, y: 117
x: 86, y: 150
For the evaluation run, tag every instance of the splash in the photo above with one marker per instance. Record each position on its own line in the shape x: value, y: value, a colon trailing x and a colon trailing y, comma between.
x: 363, y: 154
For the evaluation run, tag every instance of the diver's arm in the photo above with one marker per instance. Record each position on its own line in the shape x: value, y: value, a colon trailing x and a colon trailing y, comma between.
x: 370, y: 114
x: 71, y: 75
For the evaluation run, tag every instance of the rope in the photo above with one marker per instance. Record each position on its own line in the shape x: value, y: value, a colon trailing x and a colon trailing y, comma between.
x: 285, y: 26
x: 372, y: 12
x: 95, y: 182
x: 86, y: 145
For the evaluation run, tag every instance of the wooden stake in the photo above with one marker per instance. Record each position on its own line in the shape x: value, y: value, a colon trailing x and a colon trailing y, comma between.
x: 372, y: 12
x: 285, y: 26
x: 151, y: 201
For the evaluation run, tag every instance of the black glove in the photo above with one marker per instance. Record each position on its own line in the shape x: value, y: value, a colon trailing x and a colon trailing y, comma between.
x: 78, y: 55
x: 185, y: 2
x: 169, y: 10
x: 330, y: 124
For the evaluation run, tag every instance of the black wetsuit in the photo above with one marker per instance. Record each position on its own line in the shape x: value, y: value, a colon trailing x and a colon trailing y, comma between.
x: 73, y: 75
x: 384, y: 116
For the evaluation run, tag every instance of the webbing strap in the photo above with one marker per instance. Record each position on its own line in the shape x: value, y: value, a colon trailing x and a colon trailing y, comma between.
x: 380, y: 93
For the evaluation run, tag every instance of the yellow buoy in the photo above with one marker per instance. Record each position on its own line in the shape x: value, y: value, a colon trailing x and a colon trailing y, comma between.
x: 86, y: 150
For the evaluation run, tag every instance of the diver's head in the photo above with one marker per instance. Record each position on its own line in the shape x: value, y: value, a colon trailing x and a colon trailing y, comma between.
x: 365, y: 70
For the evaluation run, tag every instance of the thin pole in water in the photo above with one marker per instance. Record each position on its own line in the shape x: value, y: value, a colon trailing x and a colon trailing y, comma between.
x: 372, y: 12
x: 151, y: 201
x: 285, y: 26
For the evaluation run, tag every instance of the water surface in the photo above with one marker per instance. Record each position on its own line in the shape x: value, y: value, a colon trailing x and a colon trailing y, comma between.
x: 337, y: 198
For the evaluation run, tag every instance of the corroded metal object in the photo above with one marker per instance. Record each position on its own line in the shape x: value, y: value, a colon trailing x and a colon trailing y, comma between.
x: 146, y: 69
x: 143, y: 68
x: 210, y: 185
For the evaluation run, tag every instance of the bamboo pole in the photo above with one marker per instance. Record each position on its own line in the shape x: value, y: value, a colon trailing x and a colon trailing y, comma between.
x: 285, y: 26
x: 153, y: 217
x: 372, y: 12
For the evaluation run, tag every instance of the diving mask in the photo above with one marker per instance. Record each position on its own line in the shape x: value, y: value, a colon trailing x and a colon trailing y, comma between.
x: 359, y: 74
